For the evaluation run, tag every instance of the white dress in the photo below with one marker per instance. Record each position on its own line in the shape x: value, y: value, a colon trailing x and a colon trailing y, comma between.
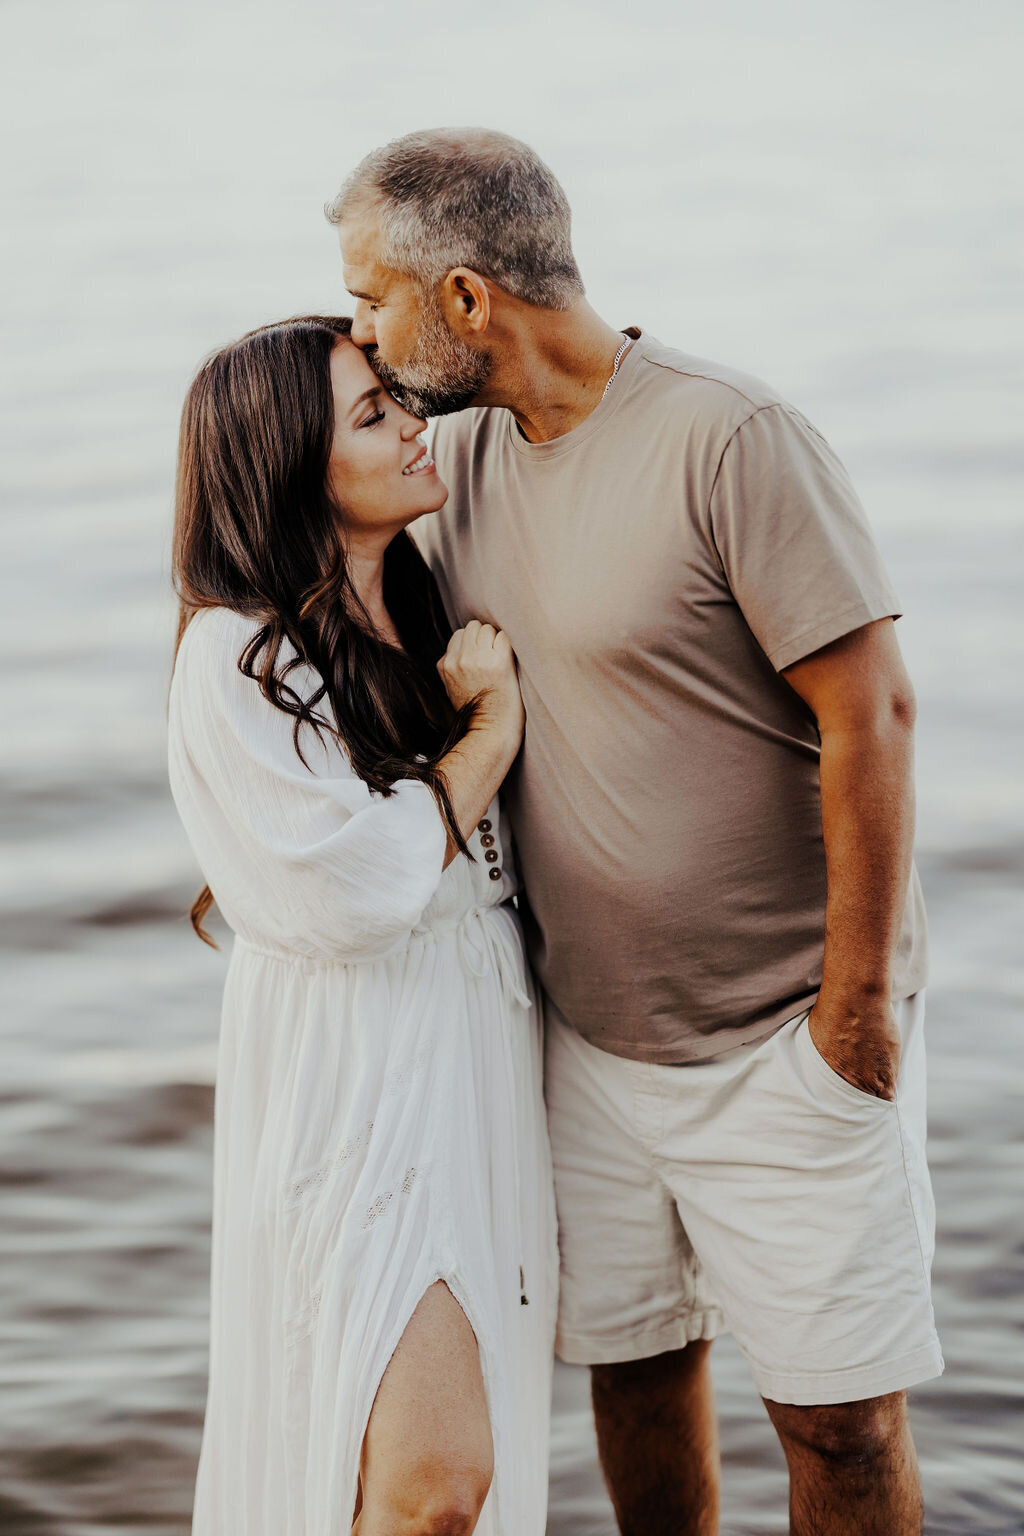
x: 379, y: 1120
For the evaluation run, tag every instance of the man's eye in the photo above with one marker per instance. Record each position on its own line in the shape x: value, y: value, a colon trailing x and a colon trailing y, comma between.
x: 371, y: 421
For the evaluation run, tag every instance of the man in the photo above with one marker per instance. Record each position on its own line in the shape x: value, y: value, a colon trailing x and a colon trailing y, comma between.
x: 717, y: 719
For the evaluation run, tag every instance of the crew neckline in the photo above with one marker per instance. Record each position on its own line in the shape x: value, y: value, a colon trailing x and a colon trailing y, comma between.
x: 605, y: 408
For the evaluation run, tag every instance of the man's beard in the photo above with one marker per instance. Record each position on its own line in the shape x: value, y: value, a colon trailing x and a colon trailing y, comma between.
x: 442, y: 374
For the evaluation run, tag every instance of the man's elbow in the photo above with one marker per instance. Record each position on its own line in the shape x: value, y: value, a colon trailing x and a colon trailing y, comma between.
x: 880, y: 713
x: 903, y: 707
x: 890, y: 713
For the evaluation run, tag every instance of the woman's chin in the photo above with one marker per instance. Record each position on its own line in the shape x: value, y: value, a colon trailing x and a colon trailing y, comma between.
x: 435, y: 502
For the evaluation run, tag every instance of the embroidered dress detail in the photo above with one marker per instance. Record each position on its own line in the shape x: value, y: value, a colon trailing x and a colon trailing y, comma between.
x: 304, y: 1187
x: 382, y: 1202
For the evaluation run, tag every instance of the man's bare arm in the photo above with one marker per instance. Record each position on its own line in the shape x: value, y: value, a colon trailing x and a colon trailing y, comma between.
x: 863, y: 701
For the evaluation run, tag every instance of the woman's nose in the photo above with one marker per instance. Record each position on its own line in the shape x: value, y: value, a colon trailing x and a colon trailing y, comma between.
x: 413, y: 425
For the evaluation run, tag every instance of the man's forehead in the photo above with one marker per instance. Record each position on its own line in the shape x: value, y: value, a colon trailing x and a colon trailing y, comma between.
x: 360, y: 241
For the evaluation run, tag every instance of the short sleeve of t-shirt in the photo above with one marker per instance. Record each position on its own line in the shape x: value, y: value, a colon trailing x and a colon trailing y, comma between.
x: 793, y: 538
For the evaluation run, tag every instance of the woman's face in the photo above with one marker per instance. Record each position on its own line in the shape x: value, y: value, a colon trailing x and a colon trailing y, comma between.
x: 380, y: 472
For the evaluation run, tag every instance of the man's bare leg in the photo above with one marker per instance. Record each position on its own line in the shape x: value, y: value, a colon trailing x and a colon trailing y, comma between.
x: 852, y: 1468
x: 658, y: 1441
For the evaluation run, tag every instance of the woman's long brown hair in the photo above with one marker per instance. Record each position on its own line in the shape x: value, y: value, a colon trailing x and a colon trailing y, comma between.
x: 257, y: 530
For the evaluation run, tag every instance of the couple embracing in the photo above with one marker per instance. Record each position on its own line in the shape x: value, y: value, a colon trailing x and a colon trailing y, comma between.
x: 671, y: 975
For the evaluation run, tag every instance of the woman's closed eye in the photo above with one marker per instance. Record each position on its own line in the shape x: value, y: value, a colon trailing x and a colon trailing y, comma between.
x: 371, y: 421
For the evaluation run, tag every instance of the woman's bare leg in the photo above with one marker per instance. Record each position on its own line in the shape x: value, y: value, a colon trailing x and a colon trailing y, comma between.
x: 428, y: 1457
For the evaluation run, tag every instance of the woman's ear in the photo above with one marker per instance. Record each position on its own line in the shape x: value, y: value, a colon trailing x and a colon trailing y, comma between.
x: 467, y: 302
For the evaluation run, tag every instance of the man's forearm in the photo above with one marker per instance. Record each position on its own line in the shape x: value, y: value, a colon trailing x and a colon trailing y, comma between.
x: 861, y: 697
x: 867, y: 814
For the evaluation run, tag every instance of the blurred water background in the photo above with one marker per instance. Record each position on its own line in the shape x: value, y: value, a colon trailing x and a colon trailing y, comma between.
x: 826, y: 195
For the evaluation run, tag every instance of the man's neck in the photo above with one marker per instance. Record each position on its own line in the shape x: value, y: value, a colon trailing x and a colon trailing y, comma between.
x: 555, y: 374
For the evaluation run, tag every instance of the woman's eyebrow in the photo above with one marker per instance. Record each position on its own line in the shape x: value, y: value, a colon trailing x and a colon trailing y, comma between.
x: 367, y: 394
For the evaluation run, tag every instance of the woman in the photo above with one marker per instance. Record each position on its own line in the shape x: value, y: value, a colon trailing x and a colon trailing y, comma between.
x: 384, y: 1264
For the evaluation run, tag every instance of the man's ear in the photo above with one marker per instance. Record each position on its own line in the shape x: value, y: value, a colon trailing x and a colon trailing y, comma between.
x: 467, y: 302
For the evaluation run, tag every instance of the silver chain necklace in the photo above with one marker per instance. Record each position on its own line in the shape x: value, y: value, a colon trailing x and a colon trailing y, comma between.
x: 615, y: 366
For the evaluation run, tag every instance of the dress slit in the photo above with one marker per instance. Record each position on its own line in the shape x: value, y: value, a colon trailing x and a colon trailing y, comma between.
x: 446, y: 1276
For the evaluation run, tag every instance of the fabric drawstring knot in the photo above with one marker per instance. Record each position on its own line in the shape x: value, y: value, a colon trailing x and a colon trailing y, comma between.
x: 486, y: 946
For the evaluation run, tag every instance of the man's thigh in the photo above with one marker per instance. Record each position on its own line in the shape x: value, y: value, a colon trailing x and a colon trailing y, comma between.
x: 631, y: 1285
x: 809, y: 1204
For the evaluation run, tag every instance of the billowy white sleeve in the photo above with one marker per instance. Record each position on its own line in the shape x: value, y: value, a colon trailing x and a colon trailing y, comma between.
x: 301, y: 858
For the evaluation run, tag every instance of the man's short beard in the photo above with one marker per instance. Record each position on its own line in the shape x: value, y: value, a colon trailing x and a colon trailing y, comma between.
x: 442, y: 374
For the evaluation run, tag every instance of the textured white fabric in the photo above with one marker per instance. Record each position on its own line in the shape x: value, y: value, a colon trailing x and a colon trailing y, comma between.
x: 379, y: 1120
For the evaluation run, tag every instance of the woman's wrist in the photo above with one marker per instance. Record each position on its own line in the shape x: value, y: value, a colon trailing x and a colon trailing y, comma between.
x: 503, y: 722
x: 475, y: 769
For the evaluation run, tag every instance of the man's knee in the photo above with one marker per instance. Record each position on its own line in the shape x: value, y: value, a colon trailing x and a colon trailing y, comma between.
x: 842, y: 1434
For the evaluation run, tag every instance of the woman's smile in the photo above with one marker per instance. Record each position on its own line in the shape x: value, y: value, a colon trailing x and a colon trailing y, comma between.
x: 422, y: 464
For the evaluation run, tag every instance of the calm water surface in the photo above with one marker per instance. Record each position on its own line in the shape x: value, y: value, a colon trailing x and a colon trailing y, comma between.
x: 830, y: 202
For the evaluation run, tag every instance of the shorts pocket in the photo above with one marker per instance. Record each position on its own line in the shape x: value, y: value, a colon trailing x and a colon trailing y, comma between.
x: 834, y: 1079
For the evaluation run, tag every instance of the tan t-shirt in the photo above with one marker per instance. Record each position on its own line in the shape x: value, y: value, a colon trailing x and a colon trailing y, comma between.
x: 654, y: 569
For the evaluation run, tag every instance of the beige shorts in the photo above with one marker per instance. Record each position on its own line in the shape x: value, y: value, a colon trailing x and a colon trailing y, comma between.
x: 758, y: 1191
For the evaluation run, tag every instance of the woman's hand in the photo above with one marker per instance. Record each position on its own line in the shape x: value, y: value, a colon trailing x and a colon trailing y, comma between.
x: 479, y: 664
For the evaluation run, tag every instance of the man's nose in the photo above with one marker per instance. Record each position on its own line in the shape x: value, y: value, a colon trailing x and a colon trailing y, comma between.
x: 363, y: 331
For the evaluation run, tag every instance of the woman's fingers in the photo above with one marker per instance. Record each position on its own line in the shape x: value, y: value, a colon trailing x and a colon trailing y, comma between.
x: 479, y: 660
x: 469, y: 634
x: 474, y: 638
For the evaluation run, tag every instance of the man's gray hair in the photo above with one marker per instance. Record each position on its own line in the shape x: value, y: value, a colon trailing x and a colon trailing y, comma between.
x: 450, y: 197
